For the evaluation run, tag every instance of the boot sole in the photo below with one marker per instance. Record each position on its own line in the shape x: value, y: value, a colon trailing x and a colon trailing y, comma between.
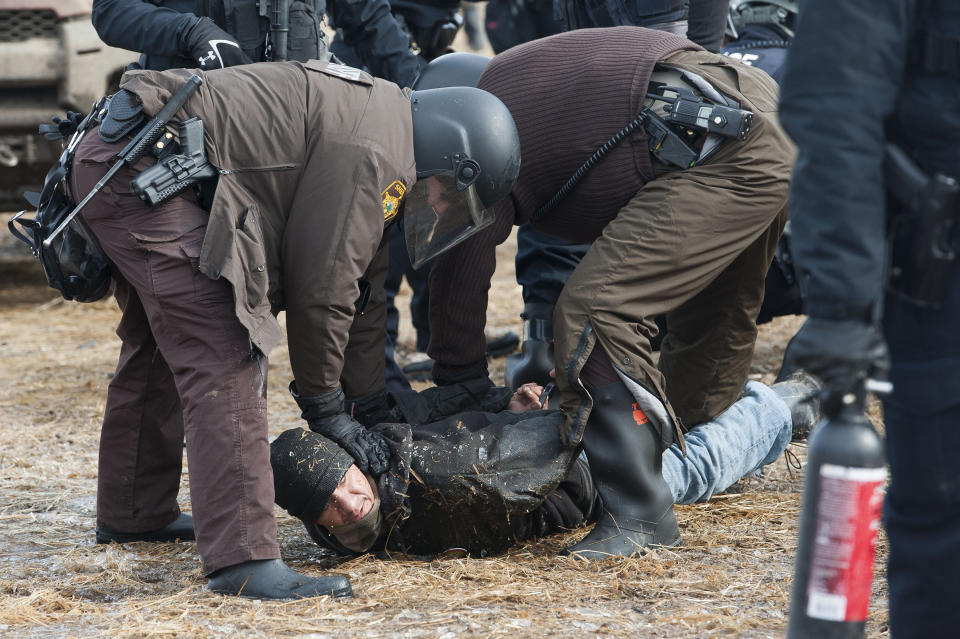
x: 126, y: 538
x: 341, y: 593
x: 580, y: 554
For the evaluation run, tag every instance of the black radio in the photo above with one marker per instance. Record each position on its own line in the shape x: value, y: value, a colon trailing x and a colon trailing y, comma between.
x: 688, y: 109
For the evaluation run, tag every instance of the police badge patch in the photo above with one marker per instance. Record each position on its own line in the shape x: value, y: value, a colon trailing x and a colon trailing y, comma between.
x: 392, y: 195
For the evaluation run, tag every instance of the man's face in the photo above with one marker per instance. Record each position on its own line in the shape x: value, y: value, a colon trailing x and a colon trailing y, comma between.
x: 351, y: 500
x: 437, y: 196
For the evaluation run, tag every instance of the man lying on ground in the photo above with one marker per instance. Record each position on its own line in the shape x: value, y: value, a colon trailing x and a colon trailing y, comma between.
x: 482, y: 480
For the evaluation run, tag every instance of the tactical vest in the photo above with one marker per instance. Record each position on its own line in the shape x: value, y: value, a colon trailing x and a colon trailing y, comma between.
x: 242, y: 19
x: 618, y: 13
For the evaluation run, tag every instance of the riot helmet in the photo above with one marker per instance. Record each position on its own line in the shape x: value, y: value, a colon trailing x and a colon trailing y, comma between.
x: 459, y: 69
x: 467, y: 152
x: 780, y: 15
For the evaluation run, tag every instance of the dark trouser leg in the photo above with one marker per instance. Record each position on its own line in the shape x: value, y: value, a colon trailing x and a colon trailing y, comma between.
x: 398, y: 256
x: 138, y: 492
x: 394, y: 378
x: 222, y: 389
x: 399, y: 261
x: 401, y: 267
x: 922, y: 508
x: 418, y: 279
x: 543, y: 265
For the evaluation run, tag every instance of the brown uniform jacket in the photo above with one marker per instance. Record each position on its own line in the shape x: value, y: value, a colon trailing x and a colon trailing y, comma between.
x: 312, y: 158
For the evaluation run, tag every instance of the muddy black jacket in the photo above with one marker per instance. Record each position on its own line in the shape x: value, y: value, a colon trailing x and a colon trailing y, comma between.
x: 477, y: 481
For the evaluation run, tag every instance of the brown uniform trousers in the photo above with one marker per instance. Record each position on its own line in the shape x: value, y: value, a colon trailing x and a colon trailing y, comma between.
x: 695, y: 245
x: 186, y: 368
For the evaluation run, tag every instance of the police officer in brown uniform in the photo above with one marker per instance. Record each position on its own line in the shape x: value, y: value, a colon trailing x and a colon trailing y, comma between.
x: 693, y: 243
x: 314, y: 161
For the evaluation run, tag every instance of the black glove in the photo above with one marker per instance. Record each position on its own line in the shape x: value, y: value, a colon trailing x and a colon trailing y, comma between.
x: 842, y: 353
x: 324, y: 415
x: 62, y: 127
x: 478, y: 394
x: 211, y: 47
x: 376, y: 408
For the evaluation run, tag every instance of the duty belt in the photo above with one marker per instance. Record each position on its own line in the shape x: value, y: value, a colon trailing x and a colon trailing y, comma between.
x: 694, y: 125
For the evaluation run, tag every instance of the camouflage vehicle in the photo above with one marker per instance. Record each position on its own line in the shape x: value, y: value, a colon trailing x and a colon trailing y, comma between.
x: 51, y: 60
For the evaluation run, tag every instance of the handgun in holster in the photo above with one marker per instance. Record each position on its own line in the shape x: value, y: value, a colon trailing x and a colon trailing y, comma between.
x: 923, y: 235
x: 176, y: 171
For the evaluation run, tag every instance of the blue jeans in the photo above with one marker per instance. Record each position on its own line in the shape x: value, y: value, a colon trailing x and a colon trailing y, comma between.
x: 922, y: 507
x: 750, y: 434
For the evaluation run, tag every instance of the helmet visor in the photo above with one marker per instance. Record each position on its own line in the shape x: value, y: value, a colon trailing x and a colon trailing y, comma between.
x: 439, y: 213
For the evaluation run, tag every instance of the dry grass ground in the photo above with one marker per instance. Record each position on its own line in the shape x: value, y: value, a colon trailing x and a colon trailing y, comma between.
x: 731, y: 577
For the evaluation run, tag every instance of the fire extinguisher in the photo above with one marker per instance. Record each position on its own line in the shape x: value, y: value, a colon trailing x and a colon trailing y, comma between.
x: 839, y: 520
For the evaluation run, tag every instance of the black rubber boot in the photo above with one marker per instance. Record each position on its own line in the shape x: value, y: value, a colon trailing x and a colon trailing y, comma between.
x: 273, y: 579
x: 180, y: 530
x: 625, y: 460
x: 535, y: 360
x: 801, y: 393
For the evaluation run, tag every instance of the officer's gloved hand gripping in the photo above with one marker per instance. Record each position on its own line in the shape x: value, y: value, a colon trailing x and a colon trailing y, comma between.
x: 211, y: 47
x: 325, y: 415
x: 842, y: 353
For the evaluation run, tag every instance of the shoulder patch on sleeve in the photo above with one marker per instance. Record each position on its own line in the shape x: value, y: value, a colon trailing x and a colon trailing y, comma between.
x: 343, y: 71
x: 392, y: 195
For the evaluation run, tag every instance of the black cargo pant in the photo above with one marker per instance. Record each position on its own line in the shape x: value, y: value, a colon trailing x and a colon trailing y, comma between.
x: 186, y: 369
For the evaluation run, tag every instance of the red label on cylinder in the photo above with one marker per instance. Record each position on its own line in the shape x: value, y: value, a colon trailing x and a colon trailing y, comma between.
x: 845, y: 542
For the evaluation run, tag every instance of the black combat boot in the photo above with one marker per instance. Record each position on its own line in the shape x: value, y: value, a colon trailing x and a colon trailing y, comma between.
x: 625, y: 458
x: 535, y: 360
x: 273, y: 579
x: 180, y: 530
x: 801, y: 393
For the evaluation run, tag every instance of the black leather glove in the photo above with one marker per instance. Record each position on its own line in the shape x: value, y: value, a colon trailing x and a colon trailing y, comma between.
x: 478, y: 394
x: 324, y: 414
x: 376, y: 408
x: 211, y: 47
x: 842, y: 353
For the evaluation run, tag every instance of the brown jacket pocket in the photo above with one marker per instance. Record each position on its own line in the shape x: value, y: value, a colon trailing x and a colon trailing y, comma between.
x: 250, y: 249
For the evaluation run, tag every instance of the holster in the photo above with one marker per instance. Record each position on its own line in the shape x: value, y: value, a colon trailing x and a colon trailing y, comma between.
x: 178, y: 170
x: 923, y: 229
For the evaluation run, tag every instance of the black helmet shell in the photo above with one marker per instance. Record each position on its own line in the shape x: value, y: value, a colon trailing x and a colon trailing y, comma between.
x: 454, y: 123
x: 459, y: 69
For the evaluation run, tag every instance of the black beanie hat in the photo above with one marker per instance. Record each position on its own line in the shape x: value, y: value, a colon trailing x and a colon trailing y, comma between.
x: 307, y: 467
